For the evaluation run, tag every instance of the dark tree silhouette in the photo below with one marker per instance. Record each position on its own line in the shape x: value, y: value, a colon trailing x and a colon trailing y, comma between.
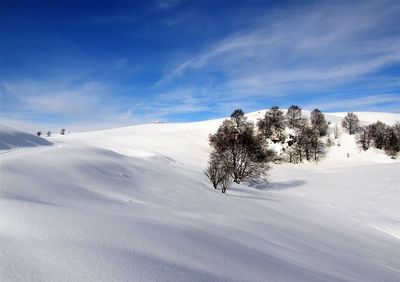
x: 309, y: 143
x: 243, y: 153
x: 318, y: 122
x: 364, y: 137
x: 378, y: 133
x: 238, y: 117
x: 351, y: 123
x: 216, y: 172
x: 392, y: 142
x: 293, y: 116
x: 273, y: 124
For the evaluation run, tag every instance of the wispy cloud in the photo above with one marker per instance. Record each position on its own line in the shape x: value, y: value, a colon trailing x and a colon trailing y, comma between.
x: 372, y: 102
x: 85, y: 105
x: 167, y: 4
x: 323, y: 44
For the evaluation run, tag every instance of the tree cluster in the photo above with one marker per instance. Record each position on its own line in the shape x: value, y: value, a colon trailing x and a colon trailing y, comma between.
x: 239, y: 153
x: 273, y: 124
x: 240, y: 150
x: 380, y: 136
x: 306, y: 142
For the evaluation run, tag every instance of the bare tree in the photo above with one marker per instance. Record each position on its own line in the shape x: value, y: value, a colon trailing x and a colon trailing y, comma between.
x: 293, y: 116
x: 392, y: 142
x: 215, y: 171
x: 364, y: 137
x: 238, y: 117
x: 351, y: 123
x: 318, y: 122
x: 243, y: 153
x: 336, y: 131
x: 273, y: 124
x: 377, y: 131
x: 308, y: 144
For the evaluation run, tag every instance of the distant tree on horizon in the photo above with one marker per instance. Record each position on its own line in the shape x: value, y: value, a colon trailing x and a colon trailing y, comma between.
x: 273, y: 124
x: 293, y: 116
x: 62, y: 131
x: 238, y: 117
x: 336, y: 132
x: 318, y: 122
x: 38, y: 133
x: 351, y: 123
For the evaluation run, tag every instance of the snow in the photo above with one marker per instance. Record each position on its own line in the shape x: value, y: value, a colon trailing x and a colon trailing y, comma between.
x: 11, y: 139
x: 133, y: 204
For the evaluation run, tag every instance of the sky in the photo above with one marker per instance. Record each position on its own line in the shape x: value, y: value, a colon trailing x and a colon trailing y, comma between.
x: 85, y: 65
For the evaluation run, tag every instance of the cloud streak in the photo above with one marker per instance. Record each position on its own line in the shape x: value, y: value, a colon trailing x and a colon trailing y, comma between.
x: 324, y: 45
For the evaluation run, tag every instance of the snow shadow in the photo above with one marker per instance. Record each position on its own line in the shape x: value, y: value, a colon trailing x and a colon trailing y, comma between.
x: 15, y: 139
x: 279, y: 185
x: 26, y: 199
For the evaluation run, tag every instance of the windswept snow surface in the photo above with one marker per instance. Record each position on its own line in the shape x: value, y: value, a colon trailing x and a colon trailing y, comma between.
x: 132, y: 204
x: 11, y: 138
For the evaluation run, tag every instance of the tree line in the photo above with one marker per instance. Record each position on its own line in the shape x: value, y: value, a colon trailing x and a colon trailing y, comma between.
x: 377, y: 134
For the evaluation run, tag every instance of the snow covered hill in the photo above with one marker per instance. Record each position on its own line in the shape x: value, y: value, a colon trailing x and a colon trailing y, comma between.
x: 11, y: 138
x: 132, y: 204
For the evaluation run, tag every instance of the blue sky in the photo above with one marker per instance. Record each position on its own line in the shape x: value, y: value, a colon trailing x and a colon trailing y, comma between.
x: 96, y: 64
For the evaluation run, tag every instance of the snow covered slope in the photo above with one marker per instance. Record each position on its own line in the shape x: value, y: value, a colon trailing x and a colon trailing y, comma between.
x: 11, y: 138
x: 132, y: 204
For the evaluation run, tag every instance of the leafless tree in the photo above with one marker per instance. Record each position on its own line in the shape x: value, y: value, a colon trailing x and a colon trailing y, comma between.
x: 377, y: 131
x: 243, y: 153
x: 273, y: 124
x: 351, y: 123
x: 364, y: 137
x: 215, y: 171
x: 318, y: 122
x: 392, y: 142
x: 293, y: 116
